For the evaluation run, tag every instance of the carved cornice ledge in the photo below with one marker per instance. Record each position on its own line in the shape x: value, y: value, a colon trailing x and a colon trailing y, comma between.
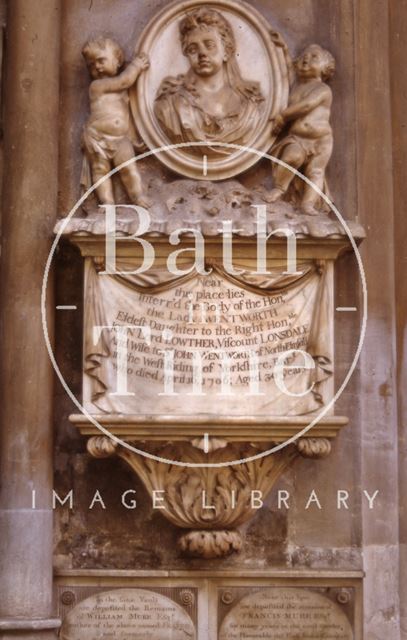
x: 309, y: 246
x: 189, y: 427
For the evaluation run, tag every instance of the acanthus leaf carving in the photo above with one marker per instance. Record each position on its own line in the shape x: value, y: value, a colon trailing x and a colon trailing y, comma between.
x: 210, y: 501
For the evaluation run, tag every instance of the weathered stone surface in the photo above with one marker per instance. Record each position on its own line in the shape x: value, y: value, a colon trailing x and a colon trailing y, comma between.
x: 360, y: 177
x: 315, y: 538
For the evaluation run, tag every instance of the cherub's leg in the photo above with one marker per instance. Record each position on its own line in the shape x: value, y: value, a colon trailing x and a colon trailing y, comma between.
x: 293, y: 155
x: 130, y: 175
x: 99, y: 168
x: 315, y: 171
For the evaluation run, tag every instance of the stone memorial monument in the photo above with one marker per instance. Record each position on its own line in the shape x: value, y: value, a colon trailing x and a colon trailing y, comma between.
x: 203, y: 367
x: 214, y: 353
x: 210, y: 298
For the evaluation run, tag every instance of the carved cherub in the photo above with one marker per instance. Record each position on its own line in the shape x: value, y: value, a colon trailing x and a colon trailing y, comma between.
x: 108, y: 133
x: 308, y: 142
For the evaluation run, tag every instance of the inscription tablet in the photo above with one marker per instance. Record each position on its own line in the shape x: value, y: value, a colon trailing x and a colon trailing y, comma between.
x: 192, y: 328
x: 127, y: 614
x: 285, y: 614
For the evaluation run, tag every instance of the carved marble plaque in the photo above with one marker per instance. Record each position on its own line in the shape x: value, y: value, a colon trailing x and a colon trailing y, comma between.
x: 181, y: 100
x: 285, y: 614
x: 220, y: 339
x: 128, y: 614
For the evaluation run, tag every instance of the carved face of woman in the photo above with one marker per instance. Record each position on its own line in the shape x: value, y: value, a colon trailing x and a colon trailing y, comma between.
x: 205, y: 51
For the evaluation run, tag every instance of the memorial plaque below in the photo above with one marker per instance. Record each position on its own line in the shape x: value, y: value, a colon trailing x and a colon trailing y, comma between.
x: 285, y: 614
x: 127, y: 614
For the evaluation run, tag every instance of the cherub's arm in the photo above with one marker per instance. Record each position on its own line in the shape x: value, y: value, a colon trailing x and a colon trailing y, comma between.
x: 279, y: 41
x: 307, y: 105
x: 123, y: 80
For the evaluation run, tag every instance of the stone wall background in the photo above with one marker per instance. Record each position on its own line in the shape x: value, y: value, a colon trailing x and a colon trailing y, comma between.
x: 3, y: 14
x: 398, y: 40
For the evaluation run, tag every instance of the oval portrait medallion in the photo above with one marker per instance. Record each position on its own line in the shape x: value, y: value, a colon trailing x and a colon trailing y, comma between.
x: 215, y: 81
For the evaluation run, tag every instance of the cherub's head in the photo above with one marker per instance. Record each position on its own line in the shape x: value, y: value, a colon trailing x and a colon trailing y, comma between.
x: 207, y: 40
x: 103, y: 56
x: 315, y: 62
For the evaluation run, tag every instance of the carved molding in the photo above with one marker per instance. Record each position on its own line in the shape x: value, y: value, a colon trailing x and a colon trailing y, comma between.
x: 219, y: 428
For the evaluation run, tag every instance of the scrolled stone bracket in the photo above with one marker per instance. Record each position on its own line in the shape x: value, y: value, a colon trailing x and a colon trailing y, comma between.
x: 314, y: 448
x: 101, y: 447
x: 209, y: 503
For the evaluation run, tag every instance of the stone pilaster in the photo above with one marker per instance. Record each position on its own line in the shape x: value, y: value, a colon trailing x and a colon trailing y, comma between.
x: 398, y: 53
x: 380, y: 536
x: 30, y: 193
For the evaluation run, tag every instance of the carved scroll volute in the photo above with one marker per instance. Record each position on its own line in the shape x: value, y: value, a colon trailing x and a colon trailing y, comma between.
x: 315, y: 448
x: 101, y: 447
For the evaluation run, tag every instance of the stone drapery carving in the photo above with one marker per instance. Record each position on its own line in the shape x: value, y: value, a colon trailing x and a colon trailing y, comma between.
x: 273, y: 312
x: 226, y: 81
